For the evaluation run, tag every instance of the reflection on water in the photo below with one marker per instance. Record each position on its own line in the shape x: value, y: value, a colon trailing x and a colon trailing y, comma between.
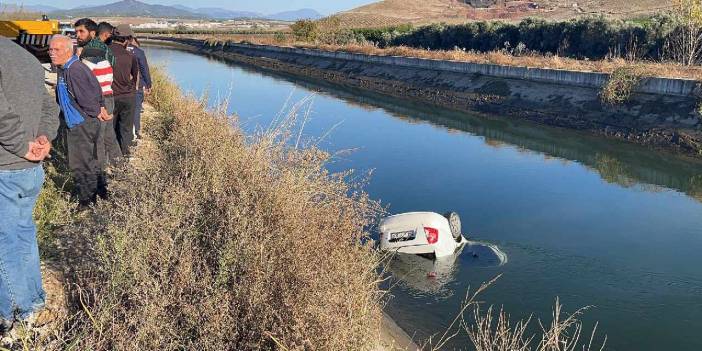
x: 617, y: 162
x: 430, y: 276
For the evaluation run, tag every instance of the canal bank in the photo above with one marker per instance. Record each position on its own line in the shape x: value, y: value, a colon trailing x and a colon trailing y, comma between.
x: 661, y: 112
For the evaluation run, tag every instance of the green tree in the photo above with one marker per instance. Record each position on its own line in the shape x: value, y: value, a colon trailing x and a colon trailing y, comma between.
x: 305, y: 30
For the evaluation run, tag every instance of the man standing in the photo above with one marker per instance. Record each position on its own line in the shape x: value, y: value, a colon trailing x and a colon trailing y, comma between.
x: 28, y: 122
x: 104, y: 32
x: 126, y: 73
x: 99, y: 58
x: 144, y: 81
x: 80, y: 99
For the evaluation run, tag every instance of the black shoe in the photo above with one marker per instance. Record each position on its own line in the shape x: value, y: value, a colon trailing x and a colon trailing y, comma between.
x: 6, y: 338
x: 5, y: 326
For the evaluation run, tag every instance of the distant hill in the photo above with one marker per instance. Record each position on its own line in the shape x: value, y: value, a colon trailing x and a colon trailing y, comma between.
x: 127, y: 8
x: 393, y: 12
x: 296, y: 15
x: 42, y: 8
x: 11, y: 8
x: 220, y: 13
x: 135, y: 8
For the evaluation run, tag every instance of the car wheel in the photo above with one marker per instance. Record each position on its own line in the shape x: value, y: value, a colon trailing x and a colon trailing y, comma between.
x: 455, y: 225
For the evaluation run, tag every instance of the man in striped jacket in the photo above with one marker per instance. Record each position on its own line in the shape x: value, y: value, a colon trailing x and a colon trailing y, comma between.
x: 99, y: 58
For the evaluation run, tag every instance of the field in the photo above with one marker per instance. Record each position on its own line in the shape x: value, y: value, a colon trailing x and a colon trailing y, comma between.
x: 394, y: 12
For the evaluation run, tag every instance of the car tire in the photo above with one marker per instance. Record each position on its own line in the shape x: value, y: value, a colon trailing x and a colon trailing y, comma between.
x: 454, y: 221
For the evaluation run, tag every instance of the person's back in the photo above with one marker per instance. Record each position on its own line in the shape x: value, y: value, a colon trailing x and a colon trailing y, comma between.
x: 125, y: 71
x: 26, y: 98
x: 126, y: 74
x: 144, y: 72
x: 83, y: 87
x: 144, y: 86
x: 28, y: 123
x: 99, y: 58
x: 96, y: 48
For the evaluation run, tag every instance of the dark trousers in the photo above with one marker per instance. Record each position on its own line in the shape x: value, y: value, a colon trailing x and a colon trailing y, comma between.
x: 110, y: 152
x: 137, y: 112
x: 83, y: 142
x: 124, y: 121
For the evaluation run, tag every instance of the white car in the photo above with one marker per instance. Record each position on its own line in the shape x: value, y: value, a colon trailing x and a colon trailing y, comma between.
x: 422, y: 233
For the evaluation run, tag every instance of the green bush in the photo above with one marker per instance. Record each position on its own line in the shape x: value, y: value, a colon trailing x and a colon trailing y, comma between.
x: 584, y: 38
x: 305, y: 30
x: 280, y: 37
x: 620, y: 85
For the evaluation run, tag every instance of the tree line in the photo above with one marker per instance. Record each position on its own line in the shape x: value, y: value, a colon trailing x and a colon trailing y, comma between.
x: 586, y: 38
x: 673, y: 36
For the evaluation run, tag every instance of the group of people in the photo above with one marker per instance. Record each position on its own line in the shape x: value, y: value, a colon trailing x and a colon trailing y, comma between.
x: 100, y: 88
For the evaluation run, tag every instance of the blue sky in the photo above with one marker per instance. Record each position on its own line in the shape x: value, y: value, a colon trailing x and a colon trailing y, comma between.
x: 264, y: 6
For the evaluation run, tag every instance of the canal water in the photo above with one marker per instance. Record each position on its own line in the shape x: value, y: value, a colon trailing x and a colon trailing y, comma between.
x: 595, y: 222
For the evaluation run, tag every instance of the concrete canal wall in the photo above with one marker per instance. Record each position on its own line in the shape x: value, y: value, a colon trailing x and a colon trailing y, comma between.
x: 661, y: 112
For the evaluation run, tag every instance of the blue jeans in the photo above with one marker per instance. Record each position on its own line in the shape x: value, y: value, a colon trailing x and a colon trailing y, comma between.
x: 21, y: 291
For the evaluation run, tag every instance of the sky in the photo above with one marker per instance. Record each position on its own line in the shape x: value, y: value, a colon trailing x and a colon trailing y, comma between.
x: 264, y: 6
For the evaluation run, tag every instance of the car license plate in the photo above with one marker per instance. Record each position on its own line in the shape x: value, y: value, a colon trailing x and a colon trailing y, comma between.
x: 402, y: 236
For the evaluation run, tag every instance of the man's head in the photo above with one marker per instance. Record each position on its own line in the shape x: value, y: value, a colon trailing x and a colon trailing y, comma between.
x: 60, y: 49
x: 123, y: 34
x: 104, y: 32
x: 86, y: 30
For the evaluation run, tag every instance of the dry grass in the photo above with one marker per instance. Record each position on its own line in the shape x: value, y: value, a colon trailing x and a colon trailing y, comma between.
x: 644, y: 68
x: 394, y: 12
x: 212, y: 241
x: 650, y: 69
x: 493, y: 331
x: 18, y: 16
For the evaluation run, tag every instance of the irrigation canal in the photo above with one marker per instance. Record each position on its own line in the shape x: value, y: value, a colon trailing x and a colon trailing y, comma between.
x: 595, y: 222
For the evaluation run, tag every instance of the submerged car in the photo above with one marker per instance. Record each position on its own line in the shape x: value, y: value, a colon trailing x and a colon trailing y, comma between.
x: 422, y: 233
x: 435, y: 276
x: 431, y: 251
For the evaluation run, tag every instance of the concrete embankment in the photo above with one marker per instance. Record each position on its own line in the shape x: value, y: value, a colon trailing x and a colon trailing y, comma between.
x: 661, y: 112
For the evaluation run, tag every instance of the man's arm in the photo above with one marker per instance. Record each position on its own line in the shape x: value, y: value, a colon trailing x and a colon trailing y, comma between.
x: 12, y: 132
x: 49, y: 123
x: 135, y: 72
x: 144, y: 69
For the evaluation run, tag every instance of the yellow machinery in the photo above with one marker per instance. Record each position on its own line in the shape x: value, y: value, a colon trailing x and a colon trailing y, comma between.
x: 32, y: 35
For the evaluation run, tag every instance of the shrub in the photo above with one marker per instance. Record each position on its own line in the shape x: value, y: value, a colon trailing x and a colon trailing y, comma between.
x: 620, y: 85
x: 280, y: 37
x: 305, y: 30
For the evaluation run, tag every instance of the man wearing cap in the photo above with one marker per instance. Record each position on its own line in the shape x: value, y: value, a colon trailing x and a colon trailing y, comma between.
x: 124, y: 85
